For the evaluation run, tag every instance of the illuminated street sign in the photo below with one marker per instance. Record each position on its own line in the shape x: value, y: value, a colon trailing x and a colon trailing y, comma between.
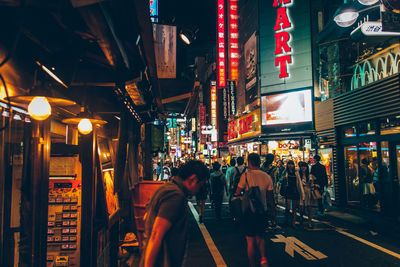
x: 221, y: 68
x: 233, y: 40
x: 283, y: 51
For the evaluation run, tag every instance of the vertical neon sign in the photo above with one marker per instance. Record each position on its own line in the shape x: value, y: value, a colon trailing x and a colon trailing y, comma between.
x: 213, y: 105
x: 233, y: 40
x: 283, y: 51
x: 221, y: 68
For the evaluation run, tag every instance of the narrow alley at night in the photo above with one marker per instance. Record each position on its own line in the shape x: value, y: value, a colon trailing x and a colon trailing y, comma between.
x: 140, y: 133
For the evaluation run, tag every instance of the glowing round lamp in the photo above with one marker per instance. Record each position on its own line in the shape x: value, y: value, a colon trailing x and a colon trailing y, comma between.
x: 85, y: 126
x: 39, y: 108
x: 368, y: 2
x: 184, y: 38
x: 346, y: 18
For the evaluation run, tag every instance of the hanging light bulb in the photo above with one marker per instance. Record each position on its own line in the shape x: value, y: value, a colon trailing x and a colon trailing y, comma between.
x: 85, y: 126
x: 39, y: 108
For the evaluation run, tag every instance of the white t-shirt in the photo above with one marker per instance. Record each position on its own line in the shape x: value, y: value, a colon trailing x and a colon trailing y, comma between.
x: 260, y: 179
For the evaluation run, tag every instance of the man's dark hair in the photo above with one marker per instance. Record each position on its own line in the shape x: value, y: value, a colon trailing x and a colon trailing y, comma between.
x: 240, y: 161
x: 365, y: 161
x: 216, y: 166
x: 317, y: 158
x: 174, y: 171
x: 254, y: 159
x: 269, y: 158
x: 232, y: 162
x: 194, y: 167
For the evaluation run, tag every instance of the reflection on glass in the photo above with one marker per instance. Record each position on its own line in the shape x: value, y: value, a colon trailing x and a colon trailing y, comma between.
x: 327, y: 160
x: 350, y: 131
x: 351, y: 172
x: 368, y: 150
x: 366, y: 128
x: 390, y: 125
x: 383, y: 185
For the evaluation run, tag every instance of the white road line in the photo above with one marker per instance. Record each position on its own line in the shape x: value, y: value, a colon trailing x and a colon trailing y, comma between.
x: 394, y: 254
x: 219, y: 261
x: 359, y: 239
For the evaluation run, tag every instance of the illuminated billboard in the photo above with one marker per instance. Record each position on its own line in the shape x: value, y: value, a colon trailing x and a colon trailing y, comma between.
x: 287, y: 111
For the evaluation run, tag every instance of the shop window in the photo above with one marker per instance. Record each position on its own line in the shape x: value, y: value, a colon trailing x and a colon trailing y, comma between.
x: 351, y: 173
x: 350, y: 131
x: 390, y: 125
x: 326, y: 155
x: 366, y: 128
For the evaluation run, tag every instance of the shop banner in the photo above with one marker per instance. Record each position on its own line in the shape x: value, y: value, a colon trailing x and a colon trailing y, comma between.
x: 250, y: 57
x: 165, y: 50
x: 202, y: 120
x: 225, y: 100
x: 244, y: 127
x: 232, y: 97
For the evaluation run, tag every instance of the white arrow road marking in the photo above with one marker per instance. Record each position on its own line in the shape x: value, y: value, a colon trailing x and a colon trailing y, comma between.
x: 359, y: 239
x: 292, y: 244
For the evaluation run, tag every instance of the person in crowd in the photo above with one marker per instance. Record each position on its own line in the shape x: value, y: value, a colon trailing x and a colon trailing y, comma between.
x: 158, y: 170
x: 294, y: 191
x: 224, y: 167
x: 366, y: 178
x: 307, y: 180
x: 321, y: 180
x: 281, y: 169
x: 166, y: 218
x: 269, y: 168
x: 253, y: 224
x: 201, y: 198
x: 239, y: 170
x: 229, y: 174
x: 166, y: 172
x: 218, y: 187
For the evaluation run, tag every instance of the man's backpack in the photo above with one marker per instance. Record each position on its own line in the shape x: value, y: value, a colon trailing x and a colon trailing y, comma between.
x: 233, y: 186
x: 252, y: 200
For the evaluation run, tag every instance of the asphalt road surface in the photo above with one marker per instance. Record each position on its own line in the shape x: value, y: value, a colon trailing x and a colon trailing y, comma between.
x: 330, y: 243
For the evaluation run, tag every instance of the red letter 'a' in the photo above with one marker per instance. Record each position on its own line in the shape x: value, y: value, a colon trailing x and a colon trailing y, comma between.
x: 282, y: 62
x: 282, y: 18
x: 281, y: 41
x: 278, y: 2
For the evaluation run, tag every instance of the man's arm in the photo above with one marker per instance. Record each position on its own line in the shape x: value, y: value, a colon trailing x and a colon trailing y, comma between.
x: 160, y: 227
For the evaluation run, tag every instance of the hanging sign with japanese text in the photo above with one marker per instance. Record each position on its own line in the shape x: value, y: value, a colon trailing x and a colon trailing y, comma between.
x: 221, y: 67
x: 233, y: 40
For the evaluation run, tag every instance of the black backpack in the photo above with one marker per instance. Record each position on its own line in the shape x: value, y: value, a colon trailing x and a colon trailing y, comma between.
x: 252, y: 200
x: 236, y: 179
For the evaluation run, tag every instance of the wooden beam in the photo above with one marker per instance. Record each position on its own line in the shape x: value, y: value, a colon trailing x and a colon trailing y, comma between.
x: 176, y: 98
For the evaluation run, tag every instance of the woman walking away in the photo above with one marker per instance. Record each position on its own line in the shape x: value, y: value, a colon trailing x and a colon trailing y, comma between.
x: 307, y: 181
x: 294, y: 191
x: 218, y: 185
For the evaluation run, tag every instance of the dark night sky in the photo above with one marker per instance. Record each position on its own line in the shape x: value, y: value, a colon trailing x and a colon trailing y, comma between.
x: 201, y: 13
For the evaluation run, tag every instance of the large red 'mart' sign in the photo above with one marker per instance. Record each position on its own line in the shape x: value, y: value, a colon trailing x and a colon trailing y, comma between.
x: 221, y: 68
x: 283, y: 51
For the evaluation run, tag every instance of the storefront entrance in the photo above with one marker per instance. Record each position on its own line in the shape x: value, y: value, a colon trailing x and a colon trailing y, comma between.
x: 384, y: 158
